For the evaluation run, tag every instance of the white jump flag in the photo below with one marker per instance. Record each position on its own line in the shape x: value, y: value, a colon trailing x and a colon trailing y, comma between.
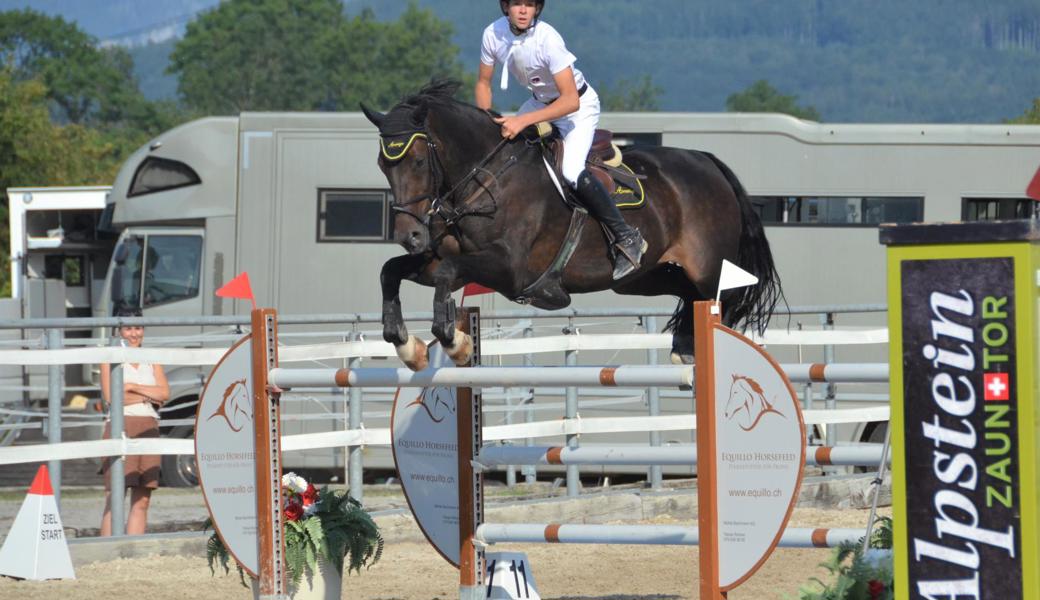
x: 733, y: 277
x: 35, y: 548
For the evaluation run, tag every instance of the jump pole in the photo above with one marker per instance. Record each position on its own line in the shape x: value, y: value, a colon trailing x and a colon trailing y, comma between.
x: 470, y: 425
x: 268, y: 457
x: 706, y: 315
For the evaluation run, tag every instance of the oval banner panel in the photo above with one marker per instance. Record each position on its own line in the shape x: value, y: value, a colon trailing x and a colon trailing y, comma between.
x: 760, y: 454
x: 425, y: 442
x: 224, y: 451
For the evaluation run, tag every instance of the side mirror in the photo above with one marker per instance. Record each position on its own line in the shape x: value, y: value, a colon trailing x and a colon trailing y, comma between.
x: 120, y: 254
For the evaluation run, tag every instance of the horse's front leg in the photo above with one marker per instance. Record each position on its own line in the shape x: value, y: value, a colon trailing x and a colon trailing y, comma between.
x: 457, y: 345
x: 411, y: 350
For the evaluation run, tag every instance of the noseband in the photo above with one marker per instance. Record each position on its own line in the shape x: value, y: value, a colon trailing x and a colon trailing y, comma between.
x: 441, y: 205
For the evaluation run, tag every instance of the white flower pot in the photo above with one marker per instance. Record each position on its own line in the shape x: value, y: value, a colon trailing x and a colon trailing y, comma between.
x: 325, y: 585
x: 878, y: 558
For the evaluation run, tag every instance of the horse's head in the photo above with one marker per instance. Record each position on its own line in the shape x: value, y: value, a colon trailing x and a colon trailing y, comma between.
x: 430, y: 145
x: 409, y: 161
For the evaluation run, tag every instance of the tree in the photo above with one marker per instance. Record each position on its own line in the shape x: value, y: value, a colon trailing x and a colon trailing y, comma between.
x: 307, y: 55
x: 383, y: 62
x: 1030, y: 117
x: 638, y: 95
x: 86, y: 84
x: 33, y: 151
x: 763, y: 97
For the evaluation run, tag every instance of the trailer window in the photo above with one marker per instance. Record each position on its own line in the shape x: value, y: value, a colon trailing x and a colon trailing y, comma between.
x: 838, y: 210
x: 994, y: 209
x: 172, y: 268
x: 353, y: 216
x: 71, y: 269
x: 160, y: 174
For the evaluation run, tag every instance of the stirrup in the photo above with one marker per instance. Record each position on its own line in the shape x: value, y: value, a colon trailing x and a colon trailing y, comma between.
x: 625, y: 263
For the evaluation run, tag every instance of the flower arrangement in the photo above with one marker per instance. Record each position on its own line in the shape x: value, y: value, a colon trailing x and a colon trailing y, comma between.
x: 321, y: 525
x: 858, y: 575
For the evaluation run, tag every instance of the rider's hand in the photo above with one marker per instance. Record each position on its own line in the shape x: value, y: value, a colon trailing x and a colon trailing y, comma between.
x: 511, y: 126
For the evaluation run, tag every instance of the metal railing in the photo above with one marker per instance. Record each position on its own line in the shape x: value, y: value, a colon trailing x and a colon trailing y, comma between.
x: 353, y: 400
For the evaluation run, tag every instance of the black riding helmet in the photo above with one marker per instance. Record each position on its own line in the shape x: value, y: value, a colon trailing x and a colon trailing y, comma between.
x: 540, y: 4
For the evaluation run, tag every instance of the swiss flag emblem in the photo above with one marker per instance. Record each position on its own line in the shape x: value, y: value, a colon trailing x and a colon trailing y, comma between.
x: 996, y: 386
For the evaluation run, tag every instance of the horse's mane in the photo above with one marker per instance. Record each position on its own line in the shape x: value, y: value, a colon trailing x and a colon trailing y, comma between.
x: 751, y: 382
x: 438, y: 94
x: 437, y: 91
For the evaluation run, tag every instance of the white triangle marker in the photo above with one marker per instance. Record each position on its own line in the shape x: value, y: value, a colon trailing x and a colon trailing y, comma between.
x: 35, y: 547
x: 733, y: 277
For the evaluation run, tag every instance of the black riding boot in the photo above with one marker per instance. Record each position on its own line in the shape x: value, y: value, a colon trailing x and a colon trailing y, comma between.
x: 629, y: 246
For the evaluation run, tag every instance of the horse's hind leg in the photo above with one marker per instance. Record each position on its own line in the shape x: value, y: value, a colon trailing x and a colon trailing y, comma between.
x: 681, y: 326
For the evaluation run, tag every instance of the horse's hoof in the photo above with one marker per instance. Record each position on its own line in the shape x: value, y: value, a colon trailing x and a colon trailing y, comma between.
x: 681, y: 359
x: 414, y: 354
x: 461, y: 349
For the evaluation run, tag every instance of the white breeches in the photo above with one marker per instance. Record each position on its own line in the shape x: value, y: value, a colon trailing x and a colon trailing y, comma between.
x: 577, y: 129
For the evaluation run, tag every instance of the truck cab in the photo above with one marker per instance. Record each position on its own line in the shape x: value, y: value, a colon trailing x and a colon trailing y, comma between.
x: 167, y: 208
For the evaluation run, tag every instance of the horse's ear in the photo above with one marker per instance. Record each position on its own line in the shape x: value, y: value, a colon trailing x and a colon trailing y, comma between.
x: 419, y: 115
x: 375, y: 117
x: 735, y: 377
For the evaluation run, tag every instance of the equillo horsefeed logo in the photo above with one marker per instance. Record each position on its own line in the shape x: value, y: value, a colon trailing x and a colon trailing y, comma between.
x: 425, y: 442
x: 225, y: 452
x: 760, y: 449
x: 747, y: 403
x: 963, y: 508
x: 235, y: 407
x: 439, y: 403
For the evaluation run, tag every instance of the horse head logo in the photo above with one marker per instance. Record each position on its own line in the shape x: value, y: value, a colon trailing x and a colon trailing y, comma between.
x: 747, y: 403
x: 437, y: 402
x: 235, y: 407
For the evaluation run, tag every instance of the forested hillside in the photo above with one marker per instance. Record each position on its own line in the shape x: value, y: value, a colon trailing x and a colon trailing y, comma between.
x: 853, y: 60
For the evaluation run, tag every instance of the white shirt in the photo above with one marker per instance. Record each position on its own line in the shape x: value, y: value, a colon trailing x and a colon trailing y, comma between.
x: 142, y: 374
x: 533, y: 57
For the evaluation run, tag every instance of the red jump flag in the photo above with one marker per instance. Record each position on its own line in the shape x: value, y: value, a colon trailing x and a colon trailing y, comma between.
x: 1033, y: 191
x: 238, y: 288
x: 474, y: 289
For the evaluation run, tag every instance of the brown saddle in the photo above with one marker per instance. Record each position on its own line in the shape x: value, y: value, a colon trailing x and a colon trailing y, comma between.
x: 605, y: 162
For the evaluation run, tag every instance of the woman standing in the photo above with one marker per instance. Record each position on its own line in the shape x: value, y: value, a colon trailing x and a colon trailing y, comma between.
x: 144, y: 390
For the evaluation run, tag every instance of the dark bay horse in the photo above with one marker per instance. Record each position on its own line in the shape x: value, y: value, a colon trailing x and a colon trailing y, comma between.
x: 472, y: 207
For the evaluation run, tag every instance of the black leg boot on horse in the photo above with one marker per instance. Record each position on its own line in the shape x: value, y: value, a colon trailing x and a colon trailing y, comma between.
x: 629, y: 245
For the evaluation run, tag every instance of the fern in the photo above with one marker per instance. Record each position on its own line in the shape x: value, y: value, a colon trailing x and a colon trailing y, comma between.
x: 854, y: 578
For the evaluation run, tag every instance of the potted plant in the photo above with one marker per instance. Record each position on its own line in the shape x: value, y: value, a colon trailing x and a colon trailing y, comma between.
x: 858, y: 575
x: 324, y: 531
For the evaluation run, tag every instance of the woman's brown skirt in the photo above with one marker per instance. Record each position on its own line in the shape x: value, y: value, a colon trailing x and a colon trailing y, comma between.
x: 139, y: 470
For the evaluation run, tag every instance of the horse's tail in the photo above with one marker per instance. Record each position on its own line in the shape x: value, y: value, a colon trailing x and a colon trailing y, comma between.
x: 752, y: 306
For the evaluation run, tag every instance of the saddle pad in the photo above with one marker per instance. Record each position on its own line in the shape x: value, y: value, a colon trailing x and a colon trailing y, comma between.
x: 625, y: 196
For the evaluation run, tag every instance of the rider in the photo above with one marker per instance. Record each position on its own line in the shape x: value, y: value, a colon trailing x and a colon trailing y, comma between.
x: 536, y: 55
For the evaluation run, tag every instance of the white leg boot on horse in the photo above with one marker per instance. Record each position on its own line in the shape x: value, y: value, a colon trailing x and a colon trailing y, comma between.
x: 414, y: 354
x: 461, y: 349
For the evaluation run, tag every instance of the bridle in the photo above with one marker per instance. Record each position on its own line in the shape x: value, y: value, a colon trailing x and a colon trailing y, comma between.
x: 444, y: 206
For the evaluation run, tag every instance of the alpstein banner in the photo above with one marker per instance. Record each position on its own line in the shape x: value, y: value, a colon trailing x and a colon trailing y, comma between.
x: 960, y: 401
x: 963, y: 339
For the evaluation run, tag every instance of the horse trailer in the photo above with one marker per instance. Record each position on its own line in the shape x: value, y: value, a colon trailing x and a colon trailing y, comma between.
x: 298, y: 201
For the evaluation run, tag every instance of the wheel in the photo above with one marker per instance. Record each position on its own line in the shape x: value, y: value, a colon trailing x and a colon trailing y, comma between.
x: 874, y: 434
x: 180, y: 470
